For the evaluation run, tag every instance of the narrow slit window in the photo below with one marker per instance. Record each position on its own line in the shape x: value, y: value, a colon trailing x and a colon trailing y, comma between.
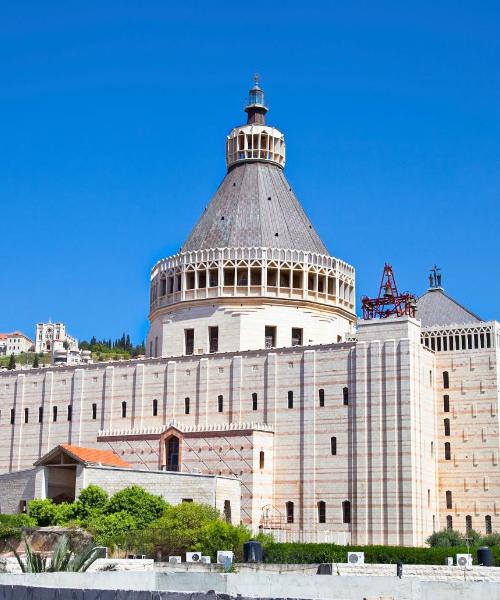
x: 345, y: 395
x: 449, y: 522
x: 220, y: 403
x: 321, y: 512
x: 155, y: 407
x: 189, y: 341
x: 346, y: 511
x: 468, y: 524
x: 254, y: 401
x: 446, y: 380
x: 487, y: 524
x: 447, y: 427
x: 213, y: 336
x: 449, y: 499
x: 261, y: 459
x: 290, y: 399
x: 289, y: 512
x: 321, y: 395
x: 26, y: 415
x: 447, y: 451
x: 70, y: 412
x: 333, y: 445
x: 94, y: 412
x: 12, y: 416
x: 54, y: 413
x: 40, y: 414
x: 124, y: 410
x: 186, y: 405
x: 446, y: 403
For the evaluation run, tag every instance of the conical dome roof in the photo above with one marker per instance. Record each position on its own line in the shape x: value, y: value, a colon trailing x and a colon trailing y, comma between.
x: 254, y: 207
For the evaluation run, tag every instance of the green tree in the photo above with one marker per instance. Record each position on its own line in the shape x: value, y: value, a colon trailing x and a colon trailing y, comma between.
x: 12, y: 363
x: 219, y: 535
x: 36, y: 362
x: 112, y: 530
x: 445, y: 538
x: 91, y: 501
x: 135, y: 501
x: 46, y: 512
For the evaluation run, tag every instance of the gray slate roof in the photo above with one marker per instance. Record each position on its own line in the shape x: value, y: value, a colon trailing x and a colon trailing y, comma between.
x: 254, y: 202
x: 437, y: 308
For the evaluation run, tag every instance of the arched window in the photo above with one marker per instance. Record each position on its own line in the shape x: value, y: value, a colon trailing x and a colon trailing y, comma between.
x: 487, y: 524
x: 346, y: 511
x: 321, y: 394
x: 468, y: 523
x: 254, y: 401
x: 345, y: 395
x: 449, y: 522
x: 447, y: 427
x: 172, y: 452
x: 333, y: 445
x: 446, y: 403
x: 321, y: 512
x: 261, y: 459
x: 449, y: 500
x: 289, y: 512
x: 155, y: 407
x: 446, y: 380
x: 447, y: 451
x: 290, y: 399
x: 220, y: 403
x: 124, y: 409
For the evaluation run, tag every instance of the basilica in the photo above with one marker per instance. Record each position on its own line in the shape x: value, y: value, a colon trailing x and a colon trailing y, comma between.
x: 264, y: 394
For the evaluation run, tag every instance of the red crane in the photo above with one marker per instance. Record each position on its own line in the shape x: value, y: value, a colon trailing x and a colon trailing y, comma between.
x: 389, y: 301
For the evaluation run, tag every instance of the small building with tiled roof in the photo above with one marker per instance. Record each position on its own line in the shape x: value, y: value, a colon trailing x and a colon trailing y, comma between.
x: 14, y: 343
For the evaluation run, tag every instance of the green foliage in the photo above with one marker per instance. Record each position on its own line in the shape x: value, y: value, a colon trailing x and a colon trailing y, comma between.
x: 46, y: 512
x: 18, y: 520
x: 113, y: 529
x: 63, y: 558
x: 138, y: 503
x: 36, y: 362
x: 446, y: 538
x: 219, y: 535
x: 297, y: 553
x: 92, y: 501
x: 12, y: 363
x: 492, y: 539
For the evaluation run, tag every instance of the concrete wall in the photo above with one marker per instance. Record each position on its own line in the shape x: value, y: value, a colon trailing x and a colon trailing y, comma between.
x: 182, y: 586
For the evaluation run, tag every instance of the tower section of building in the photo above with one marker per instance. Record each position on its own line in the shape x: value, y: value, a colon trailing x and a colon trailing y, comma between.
x: 253, y: 273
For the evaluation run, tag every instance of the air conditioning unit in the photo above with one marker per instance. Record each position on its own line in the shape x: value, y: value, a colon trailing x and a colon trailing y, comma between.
x: 464, y: 560
x: 174, y: 560
x: 356, y: 558
x: 206, y: 559
x: 222, y: 555
x: 193, y: 557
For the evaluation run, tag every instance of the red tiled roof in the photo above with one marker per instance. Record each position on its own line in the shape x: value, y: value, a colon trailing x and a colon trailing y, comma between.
x: 94, y: 456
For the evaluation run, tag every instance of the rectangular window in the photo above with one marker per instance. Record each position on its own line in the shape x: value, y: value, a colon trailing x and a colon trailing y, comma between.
x: 446, y: 403
x: 156, y: 346
x: 321, y: 512
x: 186, y: 406
x: 447, y: 451
x: 40, y: 414
x: 321, y: 394
x: 333, y: 445
x: 189, y: 341
x: 124, y: 410
x: 213, y: 337
x: 289, y: 512
x: 70, y: 412
x: 12, y: 416
x: 187, y: 499
x: 270, y: 334
x: 254, y: 401
x: 446, y: 427
x: 220, y: 403
x: 155, y: 407
x: 94, y: 411
x: 290, y: 399
x: 446, y: 380
x: 296, y: 336
x: 26, y: 415
x: 345, y: 396
x: 54, y: 413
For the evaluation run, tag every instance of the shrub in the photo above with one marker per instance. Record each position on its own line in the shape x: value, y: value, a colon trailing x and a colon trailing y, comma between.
x: 492, y: 539
x: 18, y: 520
x: 112, y: 530
x: 446, y: 538
x: 46, y: 512
x: 92, y: 501
x: 219, y: 535
x: 138, y: 503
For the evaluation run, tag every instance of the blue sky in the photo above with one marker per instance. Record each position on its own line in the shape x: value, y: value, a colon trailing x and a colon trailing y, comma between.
x: 113, y: 118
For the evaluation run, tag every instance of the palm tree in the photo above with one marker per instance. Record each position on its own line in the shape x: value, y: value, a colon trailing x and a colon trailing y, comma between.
x: 63, y: 558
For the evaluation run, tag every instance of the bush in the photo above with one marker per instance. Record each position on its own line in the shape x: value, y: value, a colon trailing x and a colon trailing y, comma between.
x: 219, y: 535
x: 446, y: 538
x: 18, y: 520
x: 138, y: 503
x: 92, y: 501
x: 491, y: 540
x: 112, y: 530
x: 46, y: 512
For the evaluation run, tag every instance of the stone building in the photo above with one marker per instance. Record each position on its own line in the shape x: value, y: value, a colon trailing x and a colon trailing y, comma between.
x: 14, y: 343
x: 49, y: 334
x: 375, y: 432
